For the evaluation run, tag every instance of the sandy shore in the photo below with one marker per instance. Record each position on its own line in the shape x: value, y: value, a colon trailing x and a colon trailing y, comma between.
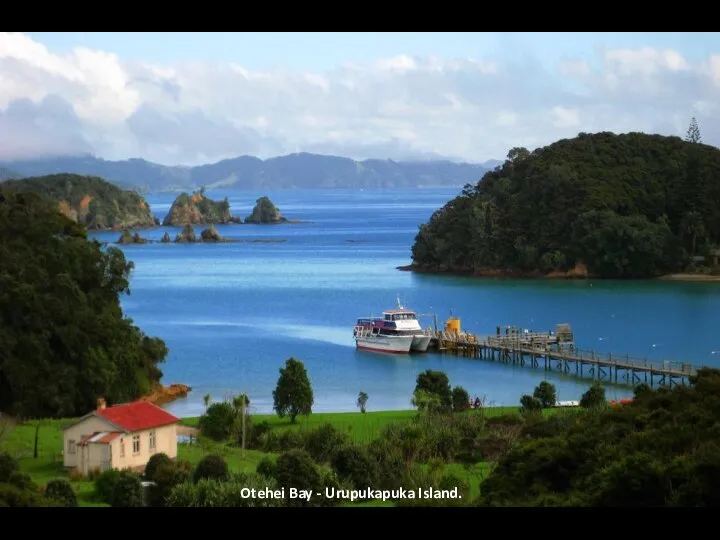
x: 689, y: 277
x: 166, y: 394
x: 578, y: 272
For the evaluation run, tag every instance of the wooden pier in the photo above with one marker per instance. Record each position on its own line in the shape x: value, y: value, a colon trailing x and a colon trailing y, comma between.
x: 556, y: 352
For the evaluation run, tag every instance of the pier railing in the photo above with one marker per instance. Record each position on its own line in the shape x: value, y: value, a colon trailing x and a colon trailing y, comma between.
x: 622, y: 361
x: 558, y: 347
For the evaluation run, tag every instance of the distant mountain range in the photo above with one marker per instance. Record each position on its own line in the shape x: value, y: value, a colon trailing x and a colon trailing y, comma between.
x: 286, y: 172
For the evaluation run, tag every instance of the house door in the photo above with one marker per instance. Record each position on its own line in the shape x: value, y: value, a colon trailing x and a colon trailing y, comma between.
x: 106, y: 457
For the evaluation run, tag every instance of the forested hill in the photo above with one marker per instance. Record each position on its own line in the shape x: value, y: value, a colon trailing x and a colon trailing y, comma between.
x: 91, y: 201
x: 603, y: 205
x: 65, y: 340
x: 303, y: 170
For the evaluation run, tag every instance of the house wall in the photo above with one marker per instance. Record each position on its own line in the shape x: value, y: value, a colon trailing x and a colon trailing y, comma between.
x: 75, y: 433
x: 96, y: 457
x: 122, y: 448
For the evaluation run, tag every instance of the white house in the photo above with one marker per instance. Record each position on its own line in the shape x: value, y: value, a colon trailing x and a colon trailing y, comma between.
x: 119, y: 437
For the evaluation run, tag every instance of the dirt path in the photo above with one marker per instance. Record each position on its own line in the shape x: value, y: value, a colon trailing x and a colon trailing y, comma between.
x: 188, y: 431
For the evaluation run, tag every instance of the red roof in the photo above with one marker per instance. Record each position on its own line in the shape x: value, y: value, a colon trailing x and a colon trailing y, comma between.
x: 137, y: 416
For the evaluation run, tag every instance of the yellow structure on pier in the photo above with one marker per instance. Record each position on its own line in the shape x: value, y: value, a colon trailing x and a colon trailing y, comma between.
x: 452, y: 325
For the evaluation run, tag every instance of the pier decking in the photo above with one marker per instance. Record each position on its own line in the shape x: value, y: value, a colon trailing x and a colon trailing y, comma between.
x: 556, y: 351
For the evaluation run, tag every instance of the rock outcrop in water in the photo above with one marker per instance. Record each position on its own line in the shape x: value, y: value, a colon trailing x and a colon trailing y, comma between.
x: 188, y: 236
x: 265, y: 212
x: 197, y: 209
x: 129, y: 238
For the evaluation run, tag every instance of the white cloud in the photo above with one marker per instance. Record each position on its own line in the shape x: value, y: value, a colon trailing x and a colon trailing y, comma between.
x: 400, y: 107
x: 565, y: 118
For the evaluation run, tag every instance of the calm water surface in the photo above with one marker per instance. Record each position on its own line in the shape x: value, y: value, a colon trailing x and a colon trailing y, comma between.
x: 232, y: 313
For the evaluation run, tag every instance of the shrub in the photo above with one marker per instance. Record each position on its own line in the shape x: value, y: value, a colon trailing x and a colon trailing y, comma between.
x: 217, y: 422
x: 104, y: 485
x: 14, y: 497
x: 213, y: 493
x: 530, y: 404
x: 389, y: 461
x: 258, y: 433
x: 274, y: 441
x: 448, y: 482
x: 22, y: 481
x: 266, y: 467
x: 354, y: 464
x: 295, y: 469
x: 166, y: 476
x: 61, y: 491
x: 594, y: 398
x: 8, y: 465
x: 460, y: 399
x: 322, y: 443
x: 128, y: 492
x: 153, y: 463
x: 211, y: 466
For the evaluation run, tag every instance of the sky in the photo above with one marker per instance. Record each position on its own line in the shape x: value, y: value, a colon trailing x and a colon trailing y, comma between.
x: 182, y: 98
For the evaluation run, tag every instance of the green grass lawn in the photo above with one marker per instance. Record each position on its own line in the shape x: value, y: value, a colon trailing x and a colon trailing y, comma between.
x: 362, y: 428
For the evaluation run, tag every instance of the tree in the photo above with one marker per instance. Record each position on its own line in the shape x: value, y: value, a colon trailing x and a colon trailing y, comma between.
x: 206, y: 397
x: 659, y: 451
x: 530, y: 404
x: 293, y: 394
x: 460, y: 399
x: 362, y: 401
x: 546, y: 393
x: 425, y: 401
x: 241, y: 404
x: 594, y: 397
x: 693, y: 132
x: 217, y: 422
x: 437, y: 383
x: 65, y: 337
x: 641, y: 390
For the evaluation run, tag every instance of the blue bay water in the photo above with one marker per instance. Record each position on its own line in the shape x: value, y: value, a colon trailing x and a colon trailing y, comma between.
x: 231, y: 314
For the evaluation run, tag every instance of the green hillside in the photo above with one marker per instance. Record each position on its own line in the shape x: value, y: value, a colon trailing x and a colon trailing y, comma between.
x: 89, y: 200
x: 603, y: 205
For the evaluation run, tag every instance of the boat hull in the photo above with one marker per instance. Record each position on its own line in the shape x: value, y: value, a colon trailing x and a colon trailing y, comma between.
x: 420, y: 343
x: 388, y: 344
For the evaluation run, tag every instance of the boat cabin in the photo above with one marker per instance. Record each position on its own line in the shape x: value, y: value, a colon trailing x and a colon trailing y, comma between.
x: 400, y: 315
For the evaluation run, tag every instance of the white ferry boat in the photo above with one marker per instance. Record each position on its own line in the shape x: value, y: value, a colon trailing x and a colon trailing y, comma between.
x: 397, y: 331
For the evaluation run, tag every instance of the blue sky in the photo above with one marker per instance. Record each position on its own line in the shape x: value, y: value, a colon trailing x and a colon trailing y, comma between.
x: 320, y: 51
x: 189, y: 98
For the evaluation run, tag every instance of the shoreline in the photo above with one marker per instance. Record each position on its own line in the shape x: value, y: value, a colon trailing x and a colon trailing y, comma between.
x: 577, y: 273
x: 162, y: 394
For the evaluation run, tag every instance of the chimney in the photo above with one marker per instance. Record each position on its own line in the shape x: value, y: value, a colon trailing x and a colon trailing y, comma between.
x: 101, y: 404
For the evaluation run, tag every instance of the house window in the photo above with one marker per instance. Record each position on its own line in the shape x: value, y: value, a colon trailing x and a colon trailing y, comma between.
x: 122, y: 448
x: 152, y: 441
x: 136, y: 444
x: 71, y: 447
